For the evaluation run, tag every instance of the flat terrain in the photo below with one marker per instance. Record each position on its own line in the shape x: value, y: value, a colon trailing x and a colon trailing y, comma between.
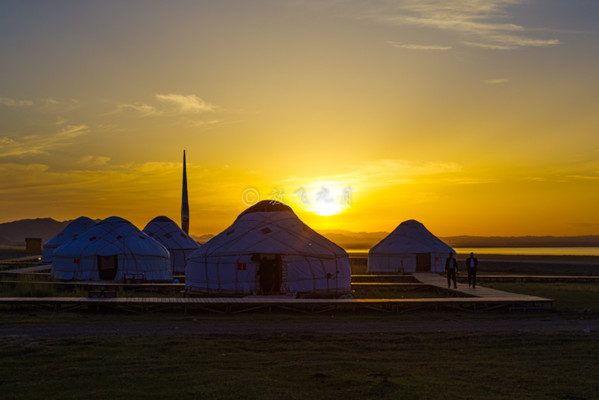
x: 305, y: 365
x: 451, y: 354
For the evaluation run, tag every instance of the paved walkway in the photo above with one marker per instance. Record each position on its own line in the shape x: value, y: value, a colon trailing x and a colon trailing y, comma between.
x: 439, y: 281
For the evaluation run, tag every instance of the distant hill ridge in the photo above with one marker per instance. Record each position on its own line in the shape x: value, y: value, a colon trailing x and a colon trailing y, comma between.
x: 522, y: 241
x: 14, y: 234
x: 365, y: 240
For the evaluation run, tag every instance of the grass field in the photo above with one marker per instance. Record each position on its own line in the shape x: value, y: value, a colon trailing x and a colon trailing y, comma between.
x: 440, y: 365
x: 568, y: 297
x: 305, y: 366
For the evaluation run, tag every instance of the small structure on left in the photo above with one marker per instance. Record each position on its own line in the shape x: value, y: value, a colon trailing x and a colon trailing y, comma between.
x: 33, y: 245
x: 113, y: 250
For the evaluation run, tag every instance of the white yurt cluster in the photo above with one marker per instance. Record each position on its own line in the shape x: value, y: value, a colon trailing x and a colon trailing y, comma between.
x: 269, y: 250
x: 71, y: 231
x: 177, y: 242
x: 409, y: 248
x: 114, y: 249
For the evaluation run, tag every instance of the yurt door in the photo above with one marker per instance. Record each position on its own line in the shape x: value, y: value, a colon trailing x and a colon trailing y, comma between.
x: 269, y: 271
x: 423, y: 262
x: 107, y: 267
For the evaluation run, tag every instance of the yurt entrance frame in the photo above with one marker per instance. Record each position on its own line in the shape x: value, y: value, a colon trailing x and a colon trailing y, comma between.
x: 269, y: 271
x: 423, y: 262
x: 107, y: 267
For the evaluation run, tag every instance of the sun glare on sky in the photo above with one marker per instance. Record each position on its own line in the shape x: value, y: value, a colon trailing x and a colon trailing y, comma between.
x: 475, y: 118
x: 324, y: 198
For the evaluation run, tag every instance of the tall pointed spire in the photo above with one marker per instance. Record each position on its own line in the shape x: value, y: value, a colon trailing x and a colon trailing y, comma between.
x: 184, y: 201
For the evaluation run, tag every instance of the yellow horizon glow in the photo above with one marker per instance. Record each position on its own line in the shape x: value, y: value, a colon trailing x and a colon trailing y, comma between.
x: 475, y: 131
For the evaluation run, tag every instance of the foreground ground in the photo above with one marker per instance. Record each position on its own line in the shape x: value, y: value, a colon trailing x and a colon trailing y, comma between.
x: 425, y: 355
x: 432, y: 355
x: 305, y: 365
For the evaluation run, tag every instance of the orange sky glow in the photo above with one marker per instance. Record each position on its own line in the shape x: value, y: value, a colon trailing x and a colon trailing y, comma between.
x: 474, y: 118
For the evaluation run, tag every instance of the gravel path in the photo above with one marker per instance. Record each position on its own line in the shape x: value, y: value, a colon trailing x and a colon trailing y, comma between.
x: 244, y: 329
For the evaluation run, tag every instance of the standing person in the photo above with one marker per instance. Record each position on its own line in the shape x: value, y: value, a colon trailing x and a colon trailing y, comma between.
x: 471, y: 264
x: 451, y: 268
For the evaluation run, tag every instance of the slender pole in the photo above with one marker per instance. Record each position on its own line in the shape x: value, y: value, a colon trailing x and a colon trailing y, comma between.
x: 184, y: 201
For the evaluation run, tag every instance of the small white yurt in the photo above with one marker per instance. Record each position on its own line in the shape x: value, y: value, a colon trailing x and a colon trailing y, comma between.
x: 409, y: 248
x: 268, y: 250
x: 71, y: 231
x: 113, y: 250
x: 178, y: 243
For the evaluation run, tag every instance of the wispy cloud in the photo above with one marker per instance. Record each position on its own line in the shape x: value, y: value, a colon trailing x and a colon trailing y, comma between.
x: 419, y: 46
x: 94, y: 161
x: 169, y: 105
x: 497, y: 81
x: 138, y: 107
x: 186, y: 103
x: 384, y: 173
x: 8, y: 102
x: 488, y: 46
x: 480, y: 23
x: 585, y: 177
x: 40, y: 143
x: 127, y: 190
x: 54, y: 104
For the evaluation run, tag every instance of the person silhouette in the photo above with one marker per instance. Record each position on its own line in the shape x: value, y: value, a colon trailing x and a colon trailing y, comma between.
x: 451, y: 268
x: 471, y: 264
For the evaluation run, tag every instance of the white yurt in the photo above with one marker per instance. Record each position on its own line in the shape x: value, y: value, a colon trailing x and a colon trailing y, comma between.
x: 268, y: 250
x: 113, y: 250
x: 70, y: 232
x: 178, y: 243
x: 409, y: 248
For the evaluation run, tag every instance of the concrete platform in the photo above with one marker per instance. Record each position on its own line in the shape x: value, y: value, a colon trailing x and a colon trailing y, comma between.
x: 440, y: 282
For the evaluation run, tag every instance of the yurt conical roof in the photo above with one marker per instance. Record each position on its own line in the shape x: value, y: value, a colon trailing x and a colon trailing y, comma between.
x: 114, y: 235
x: 270, y: 227
x: 74, y: 228
x: 167, y: 232
x: 177, y: 242
x: 137, y: 253
x: 411, y: 237
x: 269, y: 250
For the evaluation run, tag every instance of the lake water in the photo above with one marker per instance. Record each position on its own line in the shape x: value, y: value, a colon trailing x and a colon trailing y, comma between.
x: 534, y: 251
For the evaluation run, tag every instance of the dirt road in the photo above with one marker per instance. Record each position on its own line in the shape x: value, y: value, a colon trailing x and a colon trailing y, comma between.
x: 556, y: 324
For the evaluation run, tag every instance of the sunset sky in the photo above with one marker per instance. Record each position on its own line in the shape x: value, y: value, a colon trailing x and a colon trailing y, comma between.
x: 475, y: 117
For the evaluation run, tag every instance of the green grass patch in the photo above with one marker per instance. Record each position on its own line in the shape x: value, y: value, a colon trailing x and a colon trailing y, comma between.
x: 567, y: 296
x: 304, y: 366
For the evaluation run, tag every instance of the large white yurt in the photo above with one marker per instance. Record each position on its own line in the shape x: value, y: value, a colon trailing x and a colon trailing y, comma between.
x: 113, y: 250
x: 177, y: 242
x: 269, y: 250
x: 70, y: 232
x: 409, y: 248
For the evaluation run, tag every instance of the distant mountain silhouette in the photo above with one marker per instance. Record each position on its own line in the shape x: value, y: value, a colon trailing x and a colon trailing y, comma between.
x: 14, y: 233
x: 202, y: 239
x: 522, y: 241
x: 4, y: 241
x: 366, y: 240
x: 353, y: 240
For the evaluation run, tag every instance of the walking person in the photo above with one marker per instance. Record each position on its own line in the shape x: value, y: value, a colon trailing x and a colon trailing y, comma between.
x: 451, y: 269
x: 471, y: 264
